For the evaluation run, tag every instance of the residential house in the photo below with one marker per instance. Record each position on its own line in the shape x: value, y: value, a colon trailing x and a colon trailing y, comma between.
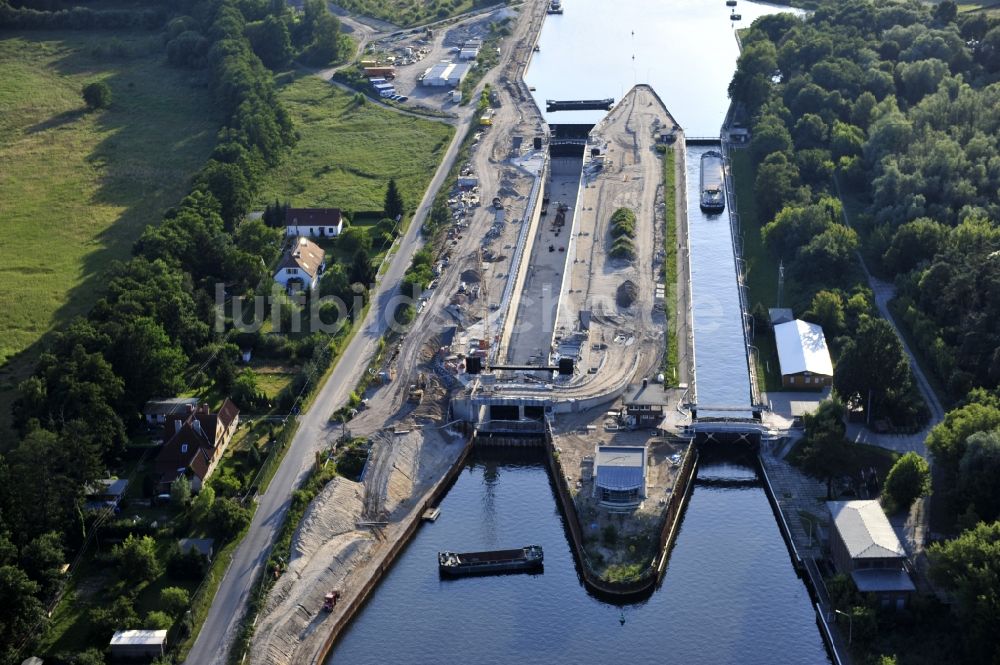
x: 864, y: 547
x: 803, y: 355
x: 644, y: 405
x: 301, y: 265
x: 195, y: 445
x: 313, y: 222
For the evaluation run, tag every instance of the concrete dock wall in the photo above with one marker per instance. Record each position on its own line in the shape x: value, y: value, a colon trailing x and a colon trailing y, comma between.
x: 621, y: 591
x: 520, y: 263
x: 412, y: 523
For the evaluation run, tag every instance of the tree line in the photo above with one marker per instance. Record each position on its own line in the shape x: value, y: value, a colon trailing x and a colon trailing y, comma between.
x: 893, y: 106
x: 895, y: 102
x: 153, y: 323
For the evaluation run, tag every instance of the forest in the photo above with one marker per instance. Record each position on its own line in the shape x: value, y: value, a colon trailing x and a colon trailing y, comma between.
x: 152, y: 332
x: 876, y: 133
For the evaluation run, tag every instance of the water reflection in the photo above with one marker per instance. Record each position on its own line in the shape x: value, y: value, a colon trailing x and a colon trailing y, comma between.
x: 730, y: 594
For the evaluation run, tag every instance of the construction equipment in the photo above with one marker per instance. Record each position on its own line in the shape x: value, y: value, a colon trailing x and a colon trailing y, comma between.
x: 416, y: 394
x: 330, y: 600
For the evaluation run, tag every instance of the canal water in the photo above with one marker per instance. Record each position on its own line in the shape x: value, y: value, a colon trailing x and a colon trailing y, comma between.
x: 729, y: 595
x: 721, y: 373
x: 685, y: 49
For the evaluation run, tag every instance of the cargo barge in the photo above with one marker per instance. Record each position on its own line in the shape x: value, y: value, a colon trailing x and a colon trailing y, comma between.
x: 712, y: 180
x: 525, y: 559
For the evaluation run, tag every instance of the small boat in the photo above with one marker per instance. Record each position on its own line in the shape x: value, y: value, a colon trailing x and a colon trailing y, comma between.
x: 735, y: 17
x: 730, y: 3
x: 555, y: 7
x: 528, y: 558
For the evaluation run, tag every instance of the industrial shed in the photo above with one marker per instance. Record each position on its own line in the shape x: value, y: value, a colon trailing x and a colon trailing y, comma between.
x: 803, y: 355
x: 129, y: 646
x: 621, y: 476
x: 446, y: 74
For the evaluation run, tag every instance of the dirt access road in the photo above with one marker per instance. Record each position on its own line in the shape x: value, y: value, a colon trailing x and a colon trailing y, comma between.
x: 314, y: 430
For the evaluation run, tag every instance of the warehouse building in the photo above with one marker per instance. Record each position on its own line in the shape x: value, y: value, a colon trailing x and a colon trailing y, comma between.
x: 446, y: 74
x: 803, y: 355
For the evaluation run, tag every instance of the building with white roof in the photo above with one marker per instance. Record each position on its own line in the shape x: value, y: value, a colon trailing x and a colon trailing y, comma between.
x: 446, y: 74
x: 864, y: 546
x: 138, y: 645
x: 803, y: 355
x: 621, y: 476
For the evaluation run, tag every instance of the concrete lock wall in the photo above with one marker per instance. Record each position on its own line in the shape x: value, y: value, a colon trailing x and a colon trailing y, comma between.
x: 533, y: 214
x: 668, y: 531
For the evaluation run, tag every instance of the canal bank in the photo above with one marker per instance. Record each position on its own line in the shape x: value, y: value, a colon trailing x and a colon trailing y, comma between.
x: 727, y: 595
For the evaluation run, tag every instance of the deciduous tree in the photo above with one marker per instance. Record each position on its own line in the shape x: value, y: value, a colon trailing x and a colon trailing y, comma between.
x: 908, y: 479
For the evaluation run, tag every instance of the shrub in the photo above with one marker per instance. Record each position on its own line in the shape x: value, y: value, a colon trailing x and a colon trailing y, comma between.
x: 157, y: 620
x: 175, y: 600
x: 97, y: 95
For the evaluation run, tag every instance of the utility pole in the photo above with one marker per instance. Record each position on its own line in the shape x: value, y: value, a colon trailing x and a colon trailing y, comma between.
x: 781, y: 281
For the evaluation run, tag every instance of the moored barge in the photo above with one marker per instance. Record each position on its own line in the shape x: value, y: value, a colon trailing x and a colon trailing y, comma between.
x: 526, y: 559
x: 712, y: 181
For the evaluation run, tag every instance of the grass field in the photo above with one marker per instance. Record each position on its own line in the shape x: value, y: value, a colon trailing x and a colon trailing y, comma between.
x: 761, y: 269
x: 409, y: 12
x: 76, y: 187
x: 348, y: 151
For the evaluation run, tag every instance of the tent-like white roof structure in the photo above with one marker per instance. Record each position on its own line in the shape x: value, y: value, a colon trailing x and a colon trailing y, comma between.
x: 802, y: 348
x: 865, y: 530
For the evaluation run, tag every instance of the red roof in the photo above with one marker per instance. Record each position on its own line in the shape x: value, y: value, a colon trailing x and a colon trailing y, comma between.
x: 195, y: 437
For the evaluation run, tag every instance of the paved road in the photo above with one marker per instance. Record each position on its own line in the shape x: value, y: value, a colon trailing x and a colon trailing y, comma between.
x: 314, y: 432
x: 885, y: 292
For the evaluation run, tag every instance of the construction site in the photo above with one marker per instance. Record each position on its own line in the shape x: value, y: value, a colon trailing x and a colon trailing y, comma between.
x: 526, y: 280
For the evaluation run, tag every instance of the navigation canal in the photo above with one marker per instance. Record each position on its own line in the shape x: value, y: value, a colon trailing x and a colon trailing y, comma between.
x: 729, y: 596
x: 721, y: 373
x: 685, y: 49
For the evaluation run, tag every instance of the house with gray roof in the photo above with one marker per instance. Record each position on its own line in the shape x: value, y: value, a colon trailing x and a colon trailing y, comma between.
x: 864, y: 547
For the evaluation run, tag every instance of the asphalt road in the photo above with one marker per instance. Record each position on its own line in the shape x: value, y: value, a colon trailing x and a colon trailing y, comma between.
x: 314, y: 432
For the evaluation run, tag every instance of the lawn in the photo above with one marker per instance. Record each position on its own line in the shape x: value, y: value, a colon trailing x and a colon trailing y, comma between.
x: 76, y: 187
x: 348, y: 151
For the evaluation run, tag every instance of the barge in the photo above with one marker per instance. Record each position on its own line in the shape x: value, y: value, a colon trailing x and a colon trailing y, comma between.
x: 712, y: 180
x: 526, y: 559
